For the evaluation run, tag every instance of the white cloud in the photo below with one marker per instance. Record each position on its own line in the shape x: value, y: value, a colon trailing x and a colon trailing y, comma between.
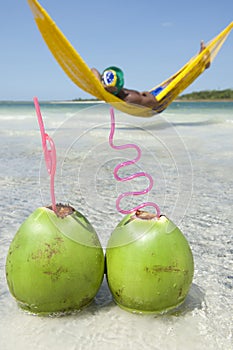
x: 167, y: 24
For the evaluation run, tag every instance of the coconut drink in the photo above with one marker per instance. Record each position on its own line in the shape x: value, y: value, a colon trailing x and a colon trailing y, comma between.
x: 55, y: 263
x: 149, y: 264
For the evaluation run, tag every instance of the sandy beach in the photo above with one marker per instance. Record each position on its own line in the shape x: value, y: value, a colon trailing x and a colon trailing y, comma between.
x: 188, y: 151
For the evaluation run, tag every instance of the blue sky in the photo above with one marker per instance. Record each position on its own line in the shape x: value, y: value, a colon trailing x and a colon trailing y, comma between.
x: 150, y: 40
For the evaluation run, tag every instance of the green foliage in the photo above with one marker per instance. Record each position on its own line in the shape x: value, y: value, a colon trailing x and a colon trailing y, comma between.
x: 84, y: 99
x: 209, y: 95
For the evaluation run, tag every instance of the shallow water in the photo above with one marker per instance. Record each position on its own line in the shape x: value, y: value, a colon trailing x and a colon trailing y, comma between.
x: 188, y: 150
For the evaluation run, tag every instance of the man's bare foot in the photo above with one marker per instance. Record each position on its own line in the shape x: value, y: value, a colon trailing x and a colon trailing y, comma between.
x: 202, y: 46
x: 206, y: 57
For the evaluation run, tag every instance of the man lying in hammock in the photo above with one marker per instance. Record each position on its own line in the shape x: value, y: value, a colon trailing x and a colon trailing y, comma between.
x: 112, y: 79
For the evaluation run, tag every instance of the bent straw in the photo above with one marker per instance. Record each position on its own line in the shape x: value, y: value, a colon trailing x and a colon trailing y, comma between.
x: 49, y: 154
x: 127, y: 178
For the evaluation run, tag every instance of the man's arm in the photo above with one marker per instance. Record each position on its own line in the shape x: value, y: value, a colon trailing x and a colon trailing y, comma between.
x: 110, y: 89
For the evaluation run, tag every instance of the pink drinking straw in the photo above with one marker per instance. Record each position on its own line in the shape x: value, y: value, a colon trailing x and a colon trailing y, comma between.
x: 127, y: 178
x: 49, y: 153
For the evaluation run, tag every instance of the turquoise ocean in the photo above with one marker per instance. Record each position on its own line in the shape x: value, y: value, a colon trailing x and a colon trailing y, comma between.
x: 188, y: 150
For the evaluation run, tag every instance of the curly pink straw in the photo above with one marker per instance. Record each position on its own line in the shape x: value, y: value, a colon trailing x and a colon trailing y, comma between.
x: 122, y: 179
x: 49, y: 154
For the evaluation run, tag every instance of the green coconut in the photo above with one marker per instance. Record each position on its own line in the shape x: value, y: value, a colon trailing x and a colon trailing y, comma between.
x: 55, y: 263
x: 149, y: 264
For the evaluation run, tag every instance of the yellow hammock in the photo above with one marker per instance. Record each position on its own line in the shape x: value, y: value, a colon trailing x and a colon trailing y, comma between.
x: 82, y: 76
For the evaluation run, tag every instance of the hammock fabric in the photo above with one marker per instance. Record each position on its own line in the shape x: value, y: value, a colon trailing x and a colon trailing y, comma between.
x: 78, y: 71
